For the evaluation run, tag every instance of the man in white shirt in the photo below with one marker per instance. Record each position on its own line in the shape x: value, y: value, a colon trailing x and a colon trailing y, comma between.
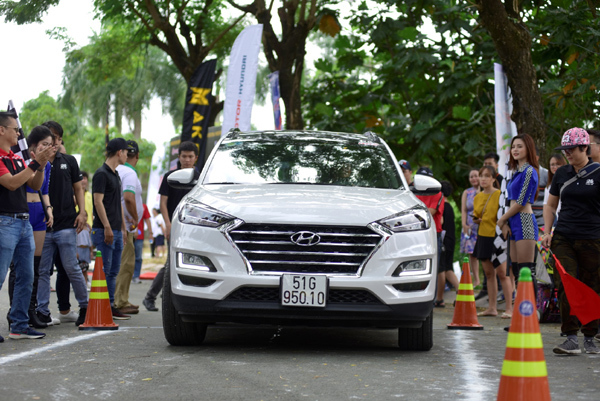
x: 133, y: 209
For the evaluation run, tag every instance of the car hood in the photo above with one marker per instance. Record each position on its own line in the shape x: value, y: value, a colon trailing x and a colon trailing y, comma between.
x: 304, y: 204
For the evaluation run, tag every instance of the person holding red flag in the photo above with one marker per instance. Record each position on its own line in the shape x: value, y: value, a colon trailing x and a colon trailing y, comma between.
x: 576, y: 240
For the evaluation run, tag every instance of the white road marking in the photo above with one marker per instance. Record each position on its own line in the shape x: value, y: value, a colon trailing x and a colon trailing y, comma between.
x: 68, y: 341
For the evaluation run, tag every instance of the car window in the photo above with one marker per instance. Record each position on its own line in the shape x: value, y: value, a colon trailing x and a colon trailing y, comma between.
x: 310, y: 160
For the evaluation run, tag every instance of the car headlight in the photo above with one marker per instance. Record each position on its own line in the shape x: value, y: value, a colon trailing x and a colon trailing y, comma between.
x: 413, y: 219
x: 199, y: 214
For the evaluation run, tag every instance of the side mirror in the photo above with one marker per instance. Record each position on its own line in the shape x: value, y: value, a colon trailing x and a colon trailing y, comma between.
x: 182, y: 179
x: 424, y: 185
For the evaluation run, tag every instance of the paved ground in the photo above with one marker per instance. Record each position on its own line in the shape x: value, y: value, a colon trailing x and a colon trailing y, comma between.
x: 270, y: 363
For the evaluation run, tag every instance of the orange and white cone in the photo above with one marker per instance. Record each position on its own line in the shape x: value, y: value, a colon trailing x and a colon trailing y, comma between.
x: 524, y: 373
x: 465, y: 311
x: 99, y: 312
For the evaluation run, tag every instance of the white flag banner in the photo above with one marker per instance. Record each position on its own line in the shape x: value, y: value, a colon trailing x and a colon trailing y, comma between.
x: 505, y: 127
x: 241, y: 79
x: 21, y: 148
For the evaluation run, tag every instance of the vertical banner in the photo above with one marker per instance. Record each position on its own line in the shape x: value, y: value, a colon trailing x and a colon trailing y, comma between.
x: 21, y: 148
x: 505, y: 127
x: 274, y: 84
x: 241, y: 79
x: 197, y: 108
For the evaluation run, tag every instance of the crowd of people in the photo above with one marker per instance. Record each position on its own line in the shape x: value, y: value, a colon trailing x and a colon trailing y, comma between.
x: 502, y: 233
x: 49, y: 220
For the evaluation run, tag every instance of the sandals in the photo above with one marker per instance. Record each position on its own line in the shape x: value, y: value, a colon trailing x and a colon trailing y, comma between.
x: 484, y: 313
x: 506, y: 315
x: 439, y: 304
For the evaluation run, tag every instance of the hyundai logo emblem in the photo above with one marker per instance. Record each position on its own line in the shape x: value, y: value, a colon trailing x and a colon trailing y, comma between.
x: 305, y: 238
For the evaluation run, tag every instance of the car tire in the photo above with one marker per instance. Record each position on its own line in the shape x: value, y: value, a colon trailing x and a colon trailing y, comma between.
x: 177, y: 332
x: 420, y: 339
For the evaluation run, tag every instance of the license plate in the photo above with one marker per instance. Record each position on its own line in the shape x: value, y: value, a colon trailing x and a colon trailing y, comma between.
x: 303, y: 290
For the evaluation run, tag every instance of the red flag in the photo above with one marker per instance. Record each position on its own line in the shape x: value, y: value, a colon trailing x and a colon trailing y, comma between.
x: 584, y: 302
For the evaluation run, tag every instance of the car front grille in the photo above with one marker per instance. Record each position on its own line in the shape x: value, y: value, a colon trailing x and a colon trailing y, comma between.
x: 340, y: 250
x: 335, y: 296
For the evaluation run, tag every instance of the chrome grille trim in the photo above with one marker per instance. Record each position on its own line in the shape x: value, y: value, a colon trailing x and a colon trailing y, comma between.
x: 267, y: 249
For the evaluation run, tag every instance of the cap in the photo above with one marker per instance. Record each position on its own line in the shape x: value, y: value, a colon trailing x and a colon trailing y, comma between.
x: 133, y: 147
x: 425, y: 171
x: 574, y: 137
x: 405, y: 165
x: 116, y: 144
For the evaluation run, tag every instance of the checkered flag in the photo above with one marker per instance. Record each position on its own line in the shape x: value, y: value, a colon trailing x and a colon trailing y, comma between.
x: 21, y: 148
x: 499, y: 255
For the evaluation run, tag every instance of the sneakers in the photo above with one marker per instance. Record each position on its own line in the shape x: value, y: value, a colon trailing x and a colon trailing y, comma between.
x: 597, y: 337
x: 69, y: 317
x: 150, y: 305
x: 136, y: 280
x: 1, y: 339
x: 568, y: 347
x: 590, y: 347
x: 81, y: 317
x: 117, y: 315
x: 28, y: 333
x: 48, y: 319
x: 480, y: 295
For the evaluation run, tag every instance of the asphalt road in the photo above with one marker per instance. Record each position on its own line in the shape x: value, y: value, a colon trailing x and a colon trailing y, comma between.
x: 269, y: 363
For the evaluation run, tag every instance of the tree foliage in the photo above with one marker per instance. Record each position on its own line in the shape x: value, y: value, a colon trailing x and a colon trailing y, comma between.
x: 420, y: 73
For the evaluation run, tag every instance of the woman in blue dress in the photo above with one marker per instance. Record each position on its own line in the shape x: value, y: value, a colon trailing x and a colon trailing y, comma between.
x: 518, y: 224
x: 468, y: 234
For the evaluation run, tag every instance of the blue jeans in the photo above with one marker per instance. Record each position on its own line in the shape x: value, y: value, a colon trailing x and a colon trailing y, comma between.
x: 65, y: 243
x: 17, y: 245
x: 111, y: 257
x: 139, y: 248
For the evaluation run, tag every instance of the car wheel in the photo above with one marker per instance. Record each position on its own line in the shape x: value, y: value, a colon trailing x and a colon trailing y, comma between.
x: 178, y: 332
x: 420, y: 339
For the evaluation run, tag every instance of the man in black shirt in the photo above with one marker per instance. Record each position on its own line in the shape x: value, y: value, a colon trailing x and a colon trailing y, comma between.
x: 16, y: 232
x: 169, y: 199
x: 109, y: 222
x: 61, y: 239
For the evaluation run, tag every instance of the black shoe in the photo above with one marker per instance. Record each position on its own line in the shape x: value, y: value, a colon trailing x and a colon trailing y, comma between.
x: 1, y: 339
x: 481, y: 294
x: 81, y: 318
x: 35, y: 321
x: 8, y: 318
x: 150, y: 305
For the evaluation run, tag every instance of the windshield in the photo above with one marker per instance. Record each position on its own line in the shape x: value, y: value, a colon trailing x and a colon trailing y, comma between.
x: 303, y: 160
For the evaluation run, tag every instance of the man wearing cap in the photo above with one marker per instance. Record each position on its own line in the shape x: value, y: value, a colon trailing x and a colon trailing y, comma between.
x: 575, y: 240
x: 133, y: 209
x: 16, y: 232
x: 435, y: 205
x: 406, y: 171
x: 65, y: 190
x: 109, y: 222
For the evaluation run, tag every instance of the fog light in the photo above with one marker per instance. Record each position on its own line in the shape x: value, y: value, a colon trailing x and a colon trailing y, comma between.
x: 196, y: 262
x: 413, y: 267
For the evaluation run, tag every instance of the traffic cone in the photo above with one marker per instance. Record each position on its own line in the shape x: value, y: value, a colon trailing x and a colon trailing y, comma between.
x: 524, y: 374
x: 465, y: 311
x: 99, y: 312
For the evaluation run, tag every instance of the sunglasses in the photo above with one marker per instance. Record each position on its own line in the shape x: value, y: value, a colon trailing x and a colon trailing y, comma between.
x: 15, y: 128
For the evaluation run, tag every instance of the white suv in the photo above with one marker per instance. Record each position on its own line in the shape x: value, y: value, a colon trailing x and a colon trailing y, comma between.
x: 301, y: 228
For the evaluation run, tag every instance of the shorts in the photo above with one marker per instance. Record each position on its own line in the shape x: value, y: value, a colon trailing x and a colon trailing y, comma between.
x: 37, y: 217
x: 159, y: 240
x: 484, y: 248
x: 447, y: 255
x: 523, y: 226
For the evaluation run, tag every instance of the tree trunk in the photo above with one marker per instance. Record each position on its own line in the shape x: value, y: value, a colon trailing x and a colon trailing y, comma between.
x: 137, y: 124
x: 513, y: 44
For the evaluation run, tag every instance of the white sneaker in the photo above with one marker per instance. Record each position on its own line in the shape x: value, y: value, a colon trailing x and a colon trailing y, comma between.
x: 55, y: 321
x: 69, y: 317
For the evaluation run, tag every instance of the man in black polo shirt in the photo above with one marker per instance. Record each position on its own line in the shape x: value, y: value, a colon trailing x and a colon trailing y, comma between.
x: 169, y: 199
x: 61, y: 239
x: 16, y: 232
x: 109, y: 222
